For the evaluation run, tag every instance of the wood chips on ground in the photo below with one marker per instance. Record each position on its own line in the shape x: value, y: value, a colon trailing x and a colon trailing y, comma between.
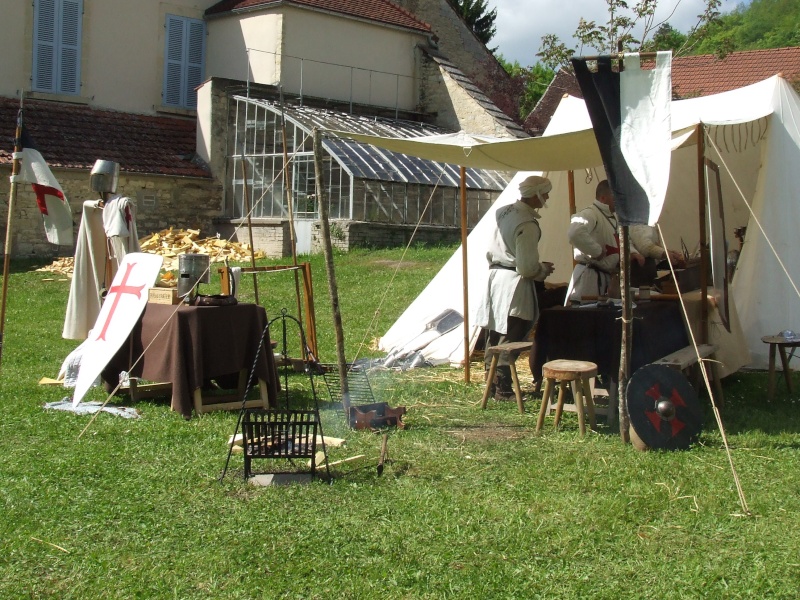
x: 171, y: 243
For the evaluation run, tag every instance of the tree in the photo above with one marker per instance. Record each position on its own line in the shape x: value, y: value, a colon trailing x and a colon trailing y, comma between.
x: 478, y: 17
x: 531, y: 81
x: 623, y: 22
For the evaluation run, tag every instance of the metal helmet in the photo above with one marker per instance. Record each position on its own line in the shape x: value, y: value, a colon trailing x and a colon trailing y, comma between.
x: 104, y: 176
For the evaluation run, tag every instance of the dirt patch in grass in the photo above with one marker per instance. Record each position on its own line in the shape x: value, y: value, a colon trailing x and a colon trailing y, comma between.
x: 394, y: 264
x: 490, y: 432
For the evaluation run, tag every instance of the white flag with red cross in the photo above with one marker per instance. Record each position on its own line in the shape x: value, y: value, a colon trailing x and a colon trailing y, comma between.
x: 124, y: 303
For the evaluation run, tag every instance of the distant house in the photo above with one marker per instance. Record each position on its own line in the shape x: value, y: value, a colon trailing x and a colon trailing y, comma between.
x: 170, y: 94
x: 692, y: 76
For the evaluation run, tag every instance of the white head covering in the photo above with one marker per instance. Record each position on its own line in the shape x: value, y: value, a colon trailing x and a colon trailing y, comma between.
x: 535, y: 186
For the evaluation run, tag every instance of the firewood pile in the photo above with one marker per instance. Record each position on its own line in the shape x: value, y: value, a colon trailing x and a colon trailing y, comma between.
x: 170, y: 243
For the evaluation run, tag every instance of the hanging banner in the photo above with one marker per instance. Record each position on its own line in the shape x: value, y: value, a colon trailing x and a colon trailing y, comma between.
x: 630, y: 113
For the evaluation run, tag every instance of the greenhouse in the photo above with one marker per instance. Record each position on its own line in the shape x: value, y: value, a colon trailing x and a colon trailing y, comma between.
x: 364, y: 183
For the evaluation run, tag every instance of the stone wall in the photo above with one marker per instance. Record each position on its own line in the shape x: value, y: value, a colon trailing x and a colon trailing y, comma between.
x: 161, y: 201
x: 358, y: 234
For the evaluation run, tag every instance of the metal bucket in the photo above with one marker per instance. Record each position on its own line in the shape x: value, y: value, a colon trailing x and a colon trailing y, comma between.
x: 192, y: 269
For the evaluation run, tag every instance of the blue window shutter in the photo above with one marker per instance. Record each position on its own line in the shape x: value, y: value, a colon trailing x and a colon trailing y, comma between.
x: 70, y: 71
x: 184, y: 60
x: 44, y: 46
x: 57, y: 46
x: 195, y: 60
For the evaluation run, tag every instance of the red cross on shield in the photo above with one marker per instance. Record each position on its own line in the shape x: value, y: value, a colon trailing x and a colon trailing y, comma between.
x: 121, y: 309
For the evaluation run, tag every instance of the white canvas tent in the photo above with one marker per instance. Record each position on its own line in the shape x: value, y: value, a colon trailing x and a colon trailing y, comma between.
x: 753, y: 133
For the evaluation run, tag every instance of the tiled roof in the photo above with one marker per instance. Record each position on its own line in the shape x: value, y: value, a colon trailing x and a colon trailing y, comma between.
x: 705, y: 74
x: 692, y: 76
x: 71, y: 136
x: 372, y: 10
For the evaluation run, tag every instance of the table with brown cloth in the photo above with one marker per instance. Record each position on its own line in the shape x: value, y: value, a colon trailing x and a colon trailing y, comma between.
x: 595, y: 335
x: 197, y: 343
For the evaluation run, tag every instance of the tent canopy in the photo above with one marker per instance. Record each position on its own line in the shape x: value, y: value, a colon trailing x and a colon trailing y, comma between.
x: 753, y: 134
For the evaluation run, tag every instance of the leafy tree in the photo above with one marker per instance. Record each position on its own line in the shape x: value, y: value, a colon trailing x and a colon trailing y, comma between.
x: 628, y: 26
x: 666, y: 37
x: 759, y: 25
x: 531, y: 81
x: 478, y: 17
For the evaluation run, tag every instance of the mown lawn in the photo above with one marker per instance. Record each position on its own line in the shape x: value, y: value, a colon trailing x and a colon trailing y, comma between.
x: 471, y: 503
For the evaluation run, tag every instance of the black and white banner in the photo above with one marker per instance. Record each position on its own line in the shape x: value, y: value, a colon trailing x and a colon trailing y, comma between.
x: 630, y: 113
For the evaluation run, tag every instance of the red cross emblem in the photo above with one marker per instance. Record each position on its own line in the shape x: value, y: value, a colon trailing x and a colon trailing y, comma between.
x: 118, y: 290
x: 656, y: 419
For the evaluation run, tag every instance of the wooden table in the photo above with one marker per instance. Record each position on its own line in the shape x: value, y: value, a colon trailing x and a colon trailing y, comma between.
x: 189, y: 345
x: 779, y: 343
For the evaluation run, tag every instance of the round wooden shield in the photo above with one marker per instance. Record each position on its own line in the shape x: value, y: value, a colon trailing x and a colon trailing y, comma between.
x: 664, y: 409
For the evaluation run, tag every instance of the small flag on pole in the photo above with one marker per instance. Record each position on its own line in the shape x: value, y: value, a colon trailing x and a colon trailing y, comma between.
x: 50, y: 198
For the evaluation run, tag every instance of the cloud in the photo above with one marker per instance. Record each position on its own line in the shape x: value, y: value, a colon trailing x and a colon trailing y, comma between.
x: 522, y: 23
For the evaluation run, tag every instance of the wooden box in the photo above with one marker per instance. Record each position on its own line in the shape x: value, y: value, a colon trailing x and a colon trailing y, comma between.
x: 158, y: 295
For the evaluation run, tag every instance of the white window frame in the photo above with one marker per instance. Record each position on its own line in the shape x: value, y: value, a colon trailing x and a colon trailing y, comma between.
x: 184, y: 61
x: 57, y: 26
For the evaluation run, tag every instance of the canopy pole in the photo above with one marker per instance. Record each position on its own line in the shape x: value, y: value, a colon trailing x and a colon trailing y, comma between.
x: 333, y: 287
x: 465, y: 270
x: 12, y: 199
x: 702, y: 200
x: 572, y: 205
x: 249, y: 226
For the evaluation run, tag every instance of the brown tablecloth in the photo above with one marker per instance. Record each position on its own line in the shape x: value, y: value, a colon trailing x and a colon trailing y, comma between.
x: 595, y: 334
x: 196, y: 343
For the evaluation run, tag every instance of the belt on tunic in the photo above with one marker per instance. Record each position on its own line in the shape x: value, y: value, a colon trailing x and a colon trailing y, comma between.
x: 497, y: 266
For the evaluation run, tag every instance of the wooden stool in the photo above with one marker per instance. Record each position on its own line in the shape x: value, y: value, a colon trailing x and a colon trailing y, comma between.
x: 495, y: 352
x: 780, y: 343
x: 577, y: 373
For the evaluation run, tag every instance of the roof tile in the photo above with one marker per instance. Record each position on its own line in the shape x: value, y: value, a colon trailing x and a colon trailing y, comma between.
x: 71, y: 136
x: 373, y: 10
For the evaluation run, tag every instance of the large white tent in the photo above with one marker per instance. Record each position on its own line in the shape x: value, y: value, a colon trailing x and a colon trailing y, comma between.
x: 752, y: 133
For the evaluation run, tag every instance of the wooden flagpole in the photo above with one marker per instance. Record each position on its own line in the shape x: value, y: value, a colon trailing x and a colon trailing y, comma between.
x: 627, y: 323
x: 12, y: 199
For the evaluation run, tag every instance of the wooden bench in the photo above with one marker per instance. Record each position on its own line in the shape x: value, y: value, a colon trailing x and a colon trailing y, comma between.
x: 687, y: 358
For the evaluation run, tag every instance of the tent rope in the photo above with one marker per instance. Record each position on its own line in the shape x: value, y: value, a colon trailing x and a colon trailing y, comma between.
x: 701, y: 361
x: 754, y: 217
x: 377, y: 311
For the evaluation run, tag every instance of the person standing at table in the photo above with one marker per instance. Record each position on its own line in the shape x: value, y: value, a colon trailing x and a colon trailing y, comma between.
x: 645, y: 241
x: 509, y: 307
x: 593, y: 235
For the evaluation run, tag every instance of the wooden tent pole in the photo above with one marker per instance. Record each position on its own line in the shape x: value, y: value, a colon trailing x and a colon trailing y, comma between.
x: 572, y: 205
x: 333, y: 289
x: 12, y: 199
x: 287, y: 185
x: 701, y: 195
x: 246, y: 196
x: 465, y: 271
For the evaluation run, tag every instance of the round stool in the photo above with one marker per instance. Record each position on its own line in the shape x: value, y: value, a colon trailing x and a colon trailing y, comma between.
x: 564, y: 372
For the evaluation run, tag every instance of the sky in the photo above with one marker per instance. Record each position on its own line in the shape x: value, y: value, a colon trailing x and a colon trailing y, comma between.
x: 522, y: 23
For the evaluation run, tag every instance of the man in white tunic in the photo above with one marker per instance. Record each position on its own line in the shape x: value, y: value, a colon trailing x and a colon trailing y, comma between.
x: 509, y: 307
x: 593, y: 235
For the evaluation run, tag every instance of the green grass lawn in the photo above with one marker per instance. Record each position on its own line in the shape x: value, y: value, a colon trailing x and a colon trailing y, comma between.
x: 471, y: 504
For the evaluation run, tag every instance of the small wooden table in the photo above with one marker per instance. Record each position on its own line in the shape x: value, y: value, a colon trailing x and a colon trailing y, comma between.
x: 780, y: 343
